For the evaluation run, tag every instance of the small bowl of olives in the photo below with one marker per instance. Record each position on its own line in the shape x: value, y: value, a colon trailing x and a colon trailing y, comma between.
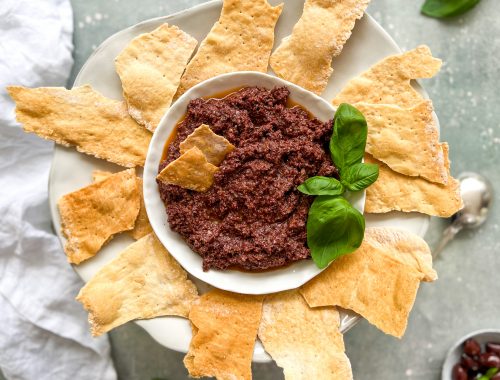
x: 475, y: 356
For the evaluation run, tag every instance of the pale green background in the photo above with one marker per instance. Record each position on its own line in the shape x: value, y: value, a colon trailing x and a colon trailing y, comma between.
x: 467, y: 100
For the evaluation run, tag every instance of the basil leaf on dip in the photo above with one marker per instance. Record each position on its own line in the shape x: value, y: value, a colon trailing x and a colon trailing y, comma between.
x: 334, y: 228
x: 348, y: 142
x: 322, y: 186
x: 360, y: 176
x: 447, y: 8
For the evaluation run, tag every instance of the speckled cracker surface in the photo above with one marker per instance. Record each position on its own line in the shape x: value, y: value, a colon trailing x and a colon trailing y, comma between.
x: 305, y: 57
x: 396, y: 192
x: 406, y: 139
x: 388, y: 81
x: 92, y: 215
x: 144, y: 281
x: 224, y: 331
x: 150, y: 69
x: 378, y: 281
x: 190, y: 171
x: 241, y: 40
x: 305, y: 342
x: 213, y: 146
x: 83, y: 118
x: 142, y: 226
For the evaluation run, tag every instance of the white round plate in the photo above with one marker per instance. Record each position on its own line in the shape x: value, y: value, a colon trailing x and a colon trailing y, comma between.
x: 71, y: 170
x: 291, y: 276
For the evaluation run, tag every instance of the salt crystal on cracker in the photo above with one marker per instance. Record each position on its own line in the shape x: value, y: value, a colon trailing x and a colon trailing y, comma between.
x: 388, y: 81
x: 305, y: 57
x: 150, y: 69
x: 84, y: 118
x: 305, y: 342
x: 241, y: 40
x: 92, y: 215
x: 378, y: 281
x: 224, y: 332
x: 143, y: 282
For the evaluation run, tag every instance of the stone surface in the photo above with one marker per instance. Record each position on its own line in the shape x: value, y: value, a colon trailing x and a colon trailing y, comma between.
x: 466, y: 297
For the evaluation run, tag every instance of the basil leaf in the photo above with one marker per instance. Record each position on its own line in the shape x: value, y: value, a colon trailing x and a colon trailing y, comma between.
x: 347, y: 145
x: 447, y: 8
x: 334, y: 228
x: 360, y: 176
x: 321, y: 186
x: 491, y: 372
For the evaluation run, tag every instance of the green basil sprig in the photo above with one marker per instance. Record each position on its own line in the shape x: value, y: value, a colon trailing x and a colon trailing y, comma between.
x: 334, y: 226
x: 447, y: 8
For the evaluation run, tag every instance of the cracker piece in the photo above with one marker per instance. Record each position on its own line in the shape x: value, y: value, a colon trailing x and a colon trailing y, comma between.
x: 396, y: 192
x: 305, y: 342
x: 84, y: 118
x: 213, y: 146
x: 92, y: 215
x: 143, y: 282
x: 150, y: 69
x: 377, y: 281
x: 305, y: 57
x: 142, y: 226
x: 405, y: 139
x: 190, y: 171
x: 241, y: 40
x: 388, y: 81
x: 224, y: 331
x: 99, y: 175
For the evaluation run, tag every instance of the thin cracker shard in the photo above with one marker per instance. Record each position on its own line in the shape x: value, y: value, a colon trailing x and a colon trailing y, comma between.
x: 241, y: 40
x: 305, y: 57
x: 388, y: 81
x: 190, y: 171
x: 224, y: 332
x: 405, y: 139
x: 213, y: 146
x: 396, y: 192
x: 83, y: 118
x: 378, y: 281
x: 293, y: 334
x: 143, y: 282
x: 142, y: 226
x: 92, y: 215
x: 150, y: 69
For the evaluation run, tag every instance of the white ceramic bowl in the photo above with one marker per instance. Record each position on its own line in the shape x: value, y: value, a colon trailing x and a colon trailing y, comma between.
x: 453, y: 356
x: 277, y: 280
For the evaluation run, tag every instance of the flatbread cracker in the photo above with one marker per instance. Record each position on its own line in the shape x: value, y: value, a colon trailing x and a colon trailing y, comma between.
x: 143, y: 282
x: 388, y: 81
x: 99, y: 175
x: 406, y: 139
x: 190, y: 171
x: 376, y: 281
x: 397, y: 192
x: 305, y: 342
x: 213, y: 146
x: 142, y: 226
x: 84, y: 118
x: 92, y: 215
x: 241, y: 40
x: 224, y: 331
x: 150, y: 69
x: 305, y: 57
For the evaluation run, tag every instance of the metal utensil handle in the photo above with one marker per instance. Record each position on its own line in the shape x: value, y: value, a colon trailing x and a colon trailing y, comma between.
x: 448, y: 234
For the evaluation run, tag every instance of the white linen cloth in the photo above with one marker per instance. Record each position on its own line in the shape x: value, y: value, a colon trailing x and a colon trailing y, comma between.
x: 43, y: 331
